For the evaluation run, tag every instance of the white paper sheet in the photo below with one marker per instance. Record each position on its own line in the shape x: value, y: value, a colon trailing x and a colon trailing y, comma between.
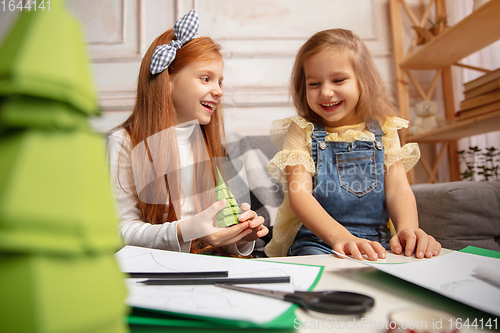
x: 454, y: 275
x: 208, y: 300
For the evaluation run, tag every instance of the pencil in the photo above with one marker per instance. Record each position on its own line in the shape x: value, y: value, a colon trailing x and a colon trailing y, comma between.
x: 180, y: 282
x: 170, y: 275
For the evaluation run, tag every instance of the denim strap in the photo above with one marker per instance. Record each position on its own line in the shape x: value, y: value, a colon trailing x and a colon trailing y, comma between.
x: 318, y: 135
x: 374, y: 127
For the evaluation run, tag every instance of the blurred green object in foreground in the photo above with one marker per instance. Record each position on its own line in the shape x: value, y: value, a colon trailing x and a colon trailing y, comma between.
x: 58, y: 225
x: 44, y: 56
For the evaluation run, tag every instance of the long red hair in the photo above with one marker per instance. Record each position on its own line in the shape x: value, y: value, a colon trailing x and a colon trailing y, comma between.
x: 154, y: 112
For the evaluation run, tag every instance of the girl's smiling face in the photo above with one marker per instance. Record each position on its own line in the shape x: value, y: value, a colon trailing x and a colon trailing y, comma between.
x: 197, y: 90
x: 332, y: 88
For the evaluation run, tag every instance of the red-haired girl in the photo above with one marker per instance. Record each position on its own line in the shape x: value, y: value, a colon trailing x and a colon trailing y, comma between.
x: 179, y: 84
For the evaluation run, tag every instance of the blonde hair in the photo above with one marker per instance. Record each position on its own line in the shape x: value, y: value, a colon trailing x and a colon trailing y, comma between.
x: 374, y: 101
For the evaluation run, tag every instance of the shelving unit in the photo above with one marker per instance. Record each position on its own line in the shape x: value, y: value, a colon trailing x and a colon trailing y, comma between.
x: 484, y: 123
x: 473, y: 33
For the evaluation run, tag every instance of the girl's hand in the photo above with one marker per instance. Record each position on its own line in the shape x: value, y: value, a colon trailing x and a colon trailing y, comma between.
x: 255, y: 223
x: 415, y: 240
x: 250, y: 228
x: 357, y: 247
x: 227, y: 236
x: 204, y: 226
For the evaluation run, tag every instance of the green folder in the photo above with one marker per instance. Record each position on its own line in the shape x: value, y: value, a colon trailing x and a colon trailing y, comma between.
x: 481, y: 252
x: 141, y: 320
x: 146, y: 320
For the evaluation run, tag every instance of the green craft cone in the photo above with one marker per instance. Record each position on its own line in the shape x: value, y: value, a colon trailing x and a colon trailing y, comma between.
x: 228, y: 215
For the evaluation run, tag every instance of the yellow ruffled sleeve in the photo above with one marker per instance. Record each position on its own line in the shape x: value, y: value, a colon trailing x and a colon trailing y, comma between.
x: 409, y: 153
x: 293, y: 136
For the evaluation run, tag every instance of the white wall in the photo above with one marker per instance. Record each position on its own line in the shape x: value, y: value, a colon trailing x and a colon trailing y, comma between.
x: 259, y: 39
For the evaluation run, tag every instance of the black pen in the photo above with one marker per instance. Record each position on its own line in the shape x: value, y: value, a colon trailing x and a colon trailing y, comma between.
x: 176, y: 275
x: 251, y: 280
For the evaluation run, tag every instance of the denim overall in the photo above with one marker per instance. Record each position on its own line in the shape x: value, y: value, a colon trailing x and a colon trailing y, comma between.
x: 349, y: 185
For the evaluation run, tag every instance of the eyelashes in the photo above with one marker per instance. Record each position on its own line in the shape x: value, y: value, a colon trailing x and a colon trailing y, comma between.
x: 207, y: 79
x: 317, y: 84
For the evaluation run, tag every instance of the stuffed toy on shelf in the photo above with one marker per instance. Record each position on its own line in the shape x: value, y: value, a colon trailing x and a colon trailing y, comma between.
x: 427, y: 117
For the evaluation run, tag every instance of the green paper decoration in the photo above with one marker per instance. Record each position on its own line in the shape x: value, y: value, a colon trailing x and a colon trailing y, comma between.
x: 55, y: 194
x: 44, y: 56
x: 228, y: 215
x: 58, y: 225
x: 43, y: 293
x: 26, y: 111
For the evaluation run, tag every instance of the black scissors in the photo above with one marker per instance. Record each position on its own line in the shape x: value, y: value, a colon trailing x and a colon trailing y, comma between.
x: 333, y: 302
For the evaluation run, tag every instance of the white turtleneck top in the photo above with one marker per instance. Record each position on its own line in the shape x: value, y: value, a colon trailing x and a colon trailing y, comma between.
x: 132, y: 228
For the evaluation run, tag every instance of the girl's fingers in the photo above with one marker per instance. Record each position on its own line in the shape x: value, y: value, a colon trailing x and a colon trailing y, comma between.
x: 379, y: 249
x: 433, y: 248
x: 373, y: 250
x: 256, y: 222
x: 354, y: 251
x: 396, y: 245
x: 229, y: 235
x: 238, y: 237
x: 252, y: 217
x: 258, y: 232
x: 214, y: 209
x: 438, y: 249
x: 339, y: 248
x: 422, y: 244
x: 410, y: 241
x: 262, y: 231
x: 236, y: 228
x: 245, y: 206
x: 247, y: 215
x: 250, y: 223
x: 367, y: 249
x: 415, y: 240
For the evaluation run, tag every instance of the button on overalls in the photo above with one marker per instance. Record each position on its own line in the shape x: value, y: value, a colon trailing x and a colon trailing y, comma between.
x: 349, y: 185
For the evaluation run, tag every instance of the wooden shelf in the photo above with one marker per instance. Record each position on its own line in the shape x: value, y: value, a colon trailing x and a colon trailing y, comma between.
x: 484, y: 123
x: 474, y: 32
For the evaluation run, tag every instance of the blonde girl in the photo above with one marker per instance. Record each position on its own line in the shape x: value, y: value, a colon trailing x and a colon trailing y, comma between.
x: 178, y: 125
x: 344, y: 174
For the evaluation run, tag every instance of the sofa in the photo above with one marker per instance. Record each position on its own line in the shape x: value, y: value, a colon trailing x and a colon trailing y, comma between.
x: 457, y: 214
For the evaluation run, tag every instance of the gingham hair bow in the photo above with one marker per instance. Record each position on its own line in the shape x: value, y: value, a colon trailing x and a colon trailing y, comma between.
x: 185, y: 30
